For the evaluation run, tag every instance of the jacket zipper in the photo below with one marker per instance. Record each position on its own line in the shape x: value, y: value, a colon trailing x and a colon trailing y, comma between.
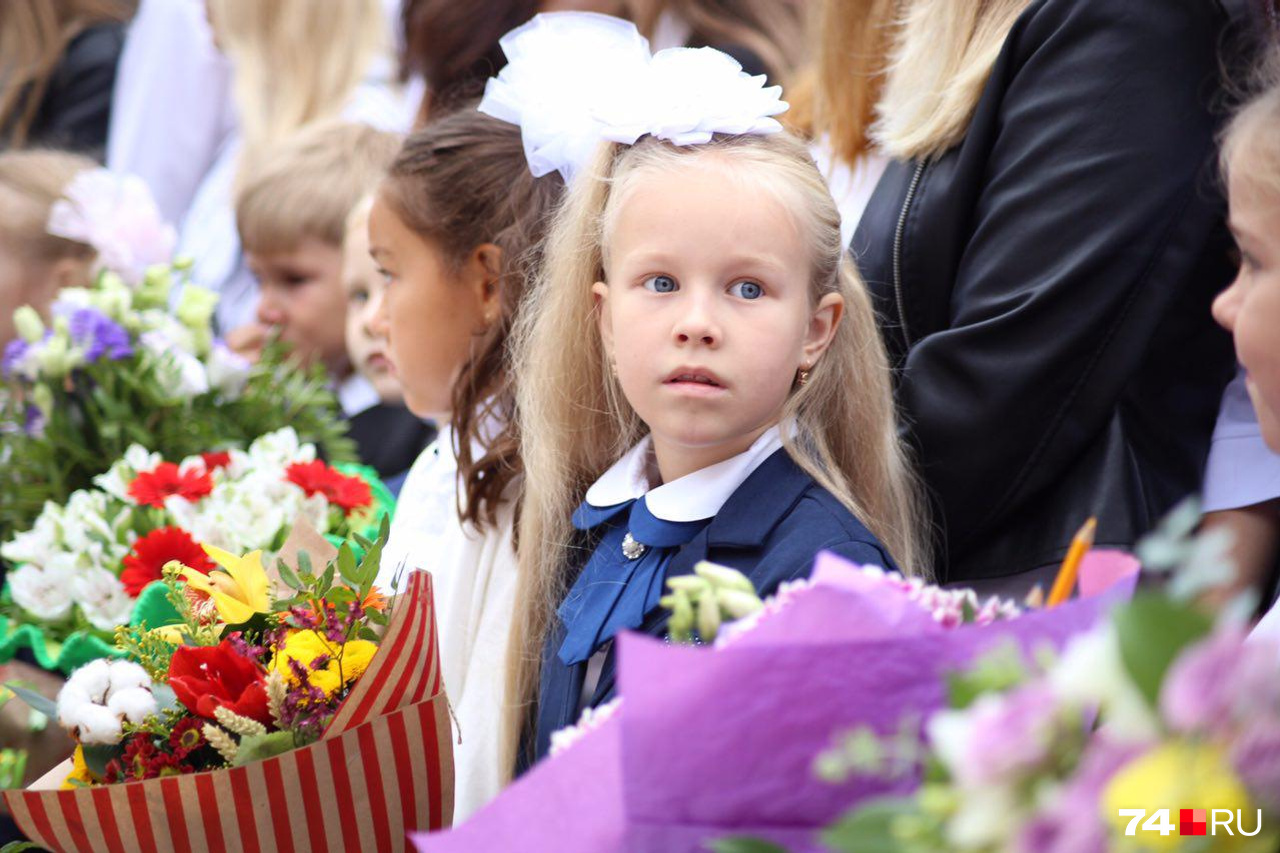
x: 897, y: 250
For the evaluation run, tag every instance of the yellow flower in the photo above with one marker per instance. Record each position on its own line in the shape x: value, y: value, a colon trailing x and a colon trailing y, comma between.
x: 1172, y: 776
x: 305, y: 646
x: 238, y: 592
x: 79, y: 775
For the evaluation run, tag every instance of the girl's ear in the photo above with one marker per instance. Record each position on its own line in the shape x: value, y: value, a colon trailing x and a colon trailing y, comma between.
x: 483, y: 277
x: 822, y: 327
x: 600, y: 292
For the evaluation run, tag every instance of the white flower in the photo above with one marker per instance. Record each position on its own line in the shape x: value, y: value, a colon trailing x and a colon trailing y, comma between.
x: 102, y: 598
x: 38, y: 544
x: 118, y: 477
x: 1090, y: 673
x: 116, y: 215
x: 100, y: 696
x: 280, y: 449
x: 228, y: 372
x: 180, y: 373
x: 44, y: 591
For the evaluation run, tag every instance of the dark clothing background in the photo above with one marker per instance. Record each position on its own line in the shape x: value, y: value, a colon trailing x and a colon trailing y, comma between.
x: 1049, y: 322
x: 75, y: 109
x: 389, y: 439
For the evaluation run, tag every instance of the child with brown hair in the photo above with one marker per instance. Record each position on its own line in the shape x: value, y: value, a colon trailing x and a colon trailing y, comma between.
x: 456, y: 228
x: 34, y: 264
x: 292, y: 216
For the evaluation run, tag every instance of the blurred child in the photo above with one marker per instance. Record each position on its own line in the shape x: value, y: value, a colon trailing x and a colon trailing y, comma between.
x: 1242, y: 482
x: 292, y: 215
x: 455, y: 228
x: 390, y: 435
x: 34, y: 264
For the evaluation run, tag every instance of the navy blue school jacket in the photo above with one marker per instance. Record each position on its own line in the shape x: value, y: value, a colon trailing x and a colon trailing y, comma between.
x: 770, y: 529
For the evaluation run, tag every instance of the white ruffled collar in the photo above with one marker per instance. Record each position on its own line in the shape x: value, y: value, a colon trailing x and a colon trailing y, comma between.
x: 694, y: 496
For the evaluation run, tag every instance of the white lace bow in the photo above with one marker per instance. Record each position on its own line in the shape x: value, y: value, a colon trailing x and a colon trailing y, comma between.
x: 574, y: 79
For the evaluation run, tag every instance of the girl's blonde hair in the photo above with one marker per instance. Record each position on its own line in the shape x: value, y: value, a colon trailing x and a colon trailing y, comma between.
x: 30, y: 182
x: 942, y: 56
x: 1251, y: 140
x: 576, y: 422
x: 294, y: 61
x: 34, y: 34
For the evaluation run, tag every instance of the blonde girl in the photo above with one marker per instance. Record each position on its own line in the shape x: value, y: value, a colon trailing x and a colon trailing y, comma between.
x: 701, y: 378
x: 34, y: 264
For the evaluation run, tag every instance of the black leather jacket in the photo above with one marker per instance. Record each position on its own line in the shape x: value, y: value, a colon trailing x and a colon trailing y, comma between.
x: 1044, y: 286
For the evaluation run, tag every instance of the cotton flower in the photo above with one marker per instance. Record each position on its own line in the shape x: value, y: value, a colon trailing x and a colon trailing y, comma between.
x: 100, y: 696
x: 44, y: 592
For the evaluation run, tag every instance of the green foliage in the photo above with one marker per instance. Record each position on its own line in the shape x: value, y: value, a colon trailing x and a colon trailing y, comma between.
x: 258, y: 747
x: 1153, y: 630
x: 742, y: 844
x: 106, y: 406
x: 13, y: 767
x: 886, y: 825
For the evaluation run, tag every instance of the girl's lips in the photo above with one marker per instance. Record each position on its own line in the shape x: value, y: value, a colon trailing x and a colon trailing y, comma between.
x: 379, y: 363
x: 693, y: 388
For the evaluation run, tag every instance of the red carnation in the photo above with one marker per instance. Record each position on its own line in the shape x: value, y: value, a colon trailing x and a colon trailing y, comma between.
x: 145, y: 563
x: 217, y: 459
x: 205, y: 678
x: 152, y: 487
x: 340, y: 490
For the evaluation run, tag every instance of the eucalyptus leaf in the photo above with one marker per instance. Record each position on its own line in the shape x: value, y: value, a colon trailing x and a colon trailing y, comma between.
x: 40, y: 703
x: 744, y: 844
x: 98, y: 756
x: 869, y: 827
x: 166, y: 699
x: 288, y: 575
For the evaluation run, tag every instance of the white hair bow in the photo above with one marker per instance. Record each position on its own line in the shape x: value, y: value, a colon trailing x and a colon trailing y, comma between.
x: 575, y: 78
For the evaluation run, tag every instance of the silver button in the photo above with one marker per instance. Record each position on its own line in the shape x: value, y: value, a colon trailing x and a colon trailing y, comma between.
x: 631, y: 549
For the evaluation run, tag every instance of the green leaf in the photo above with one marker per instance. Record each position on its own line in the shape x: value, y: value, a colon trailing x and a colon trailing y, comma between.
x: 869, y: 827
x: 45, y: 706
x: 165, y: 698
x: 326, y: 581
x: 377, y: 617
x: 98, y: 756
x: 288, y: 575
x: 19, y: 847
x: 304, y: 566
x: 1153, y: 631
x: 258, y: 747
x: 744, y: 844
x: 367, y: 633
x: 347, y: 565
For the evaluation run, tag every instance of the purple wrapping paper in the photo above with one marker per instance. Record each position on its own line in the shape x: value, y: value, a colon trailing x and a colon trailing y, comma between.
x: 719, y: 743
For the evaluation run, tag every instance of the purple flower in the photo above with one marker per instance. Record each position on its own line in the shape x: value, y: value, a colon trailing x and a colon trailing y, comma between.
x: 1221, y: 683
x: 14, y: 352
x: 1072, y: 822
x: 1012, y: 733
x: 99, y: 335
x: 34, y: 424
x: 1255, y: 755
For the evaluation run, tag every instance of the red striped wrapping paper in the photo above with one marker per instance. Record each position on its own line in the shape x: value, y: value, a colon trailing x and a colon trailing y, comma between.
x: 383, y: 768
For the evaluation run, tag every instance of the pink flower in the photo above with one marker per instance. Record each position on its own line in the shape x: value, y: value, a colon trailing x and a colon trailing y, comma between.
x: 1011, y: 734
x: 116, y: 215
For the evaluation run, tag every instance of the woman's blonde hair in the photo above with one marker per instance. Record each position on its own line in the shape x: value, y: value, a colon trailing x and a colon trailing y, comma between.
x: 30, y: 182
x: 943, y: 54
x: 295, y: 61
x: 576, y: 422
x: 34, y: 34
x: 1251, y: 140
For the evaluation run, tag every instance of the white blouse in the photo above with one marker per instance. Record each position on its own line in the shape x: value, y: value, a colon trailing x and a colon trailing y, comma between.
x: 474, y: 577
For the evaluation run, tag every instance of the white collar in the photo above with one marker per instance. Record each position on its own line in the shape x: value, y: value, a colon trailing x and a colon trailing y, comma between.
x: 356, y: 394
x: 694, y: 496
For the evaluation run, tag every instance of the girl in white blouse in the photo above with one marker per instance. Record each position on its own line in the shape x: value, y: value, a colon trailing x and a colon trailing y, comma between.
x: 455, y: 229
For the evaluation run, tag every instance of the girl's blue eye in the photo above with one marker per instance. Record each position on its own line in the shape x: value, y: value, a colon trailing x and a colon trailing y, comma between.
x: 660, y: 284
x: 747, y: 290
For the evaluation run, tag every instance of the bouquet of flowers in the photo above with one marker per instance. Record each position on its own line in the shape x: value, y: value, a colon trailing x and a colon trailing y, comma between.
x: 717, y: 740
x: 133, y: 359
x: 189, y: 742
x: 82, y: 567
x: 1184, y: 755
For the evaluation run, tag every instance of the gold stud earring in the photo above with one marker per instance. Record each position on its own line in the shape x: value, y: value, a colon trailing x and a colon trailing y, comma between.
x: 802, y: 376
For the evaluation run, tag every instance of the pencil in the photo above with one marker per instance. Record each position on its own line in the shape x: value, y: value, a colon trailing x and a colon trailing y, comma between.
x: 1065, y: 583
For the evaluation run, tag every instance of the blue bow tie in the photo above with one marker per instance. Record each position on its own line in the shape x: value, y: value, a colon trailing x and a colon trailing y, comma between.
x: 623, y: 579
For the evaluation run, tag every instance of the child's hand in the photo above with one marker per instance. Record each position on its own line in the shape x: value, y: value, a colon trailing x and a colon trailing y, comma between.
x: 248, y: 340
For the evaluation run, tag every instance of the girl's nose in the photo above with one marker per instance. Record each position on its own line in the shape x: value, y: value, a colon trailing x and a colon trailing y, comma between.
x: 1227, y: 307
x: 376, y: 322
x: 697, y: 323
